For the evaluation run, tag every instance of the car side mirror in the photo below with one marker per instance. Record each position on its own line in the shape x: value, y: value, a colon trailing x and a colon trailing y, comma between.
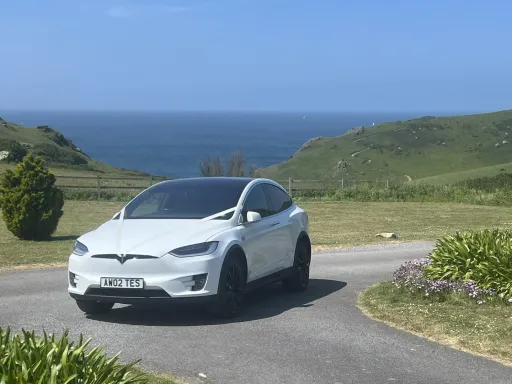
x: 253, y: 217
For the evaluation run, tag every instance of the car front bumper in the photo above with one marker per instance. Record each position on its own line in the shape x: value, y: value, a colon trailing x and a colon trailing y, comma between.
x: 166, y: 279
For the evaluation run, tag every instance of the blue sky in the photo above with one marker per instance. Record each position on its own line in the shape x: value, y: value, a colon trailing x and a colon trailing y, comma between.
x: 338, y: 55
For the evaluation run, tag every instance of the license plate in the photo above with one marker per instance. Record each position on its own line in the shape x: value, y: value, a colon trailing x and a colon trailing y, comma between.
x: 121, y: 282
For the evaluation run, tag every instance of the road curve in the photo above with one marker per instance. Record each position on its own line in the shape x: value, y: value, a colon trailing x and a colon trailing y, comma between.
x: 315, y: 337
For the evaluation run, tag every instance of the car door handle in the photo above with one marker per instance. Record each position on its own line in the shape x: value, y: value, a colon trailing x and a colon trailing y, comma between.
x: 274, y: 224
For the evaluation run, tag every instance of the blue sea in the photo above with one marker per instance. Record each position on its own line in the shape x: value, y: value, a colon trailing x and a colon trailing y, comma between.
x: 173, y: 143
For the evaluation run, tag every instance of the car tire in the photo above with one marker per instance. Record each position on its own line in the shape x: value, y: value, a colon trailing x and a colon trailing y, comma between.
x: 299, y: 279
x: 92, y: 307
x: 230, y: 292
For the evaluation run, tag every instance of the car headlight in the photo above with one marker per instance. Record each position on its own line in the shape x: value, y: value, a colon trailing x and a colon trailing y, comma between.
x: 79, y: 249
x: 200, y: 249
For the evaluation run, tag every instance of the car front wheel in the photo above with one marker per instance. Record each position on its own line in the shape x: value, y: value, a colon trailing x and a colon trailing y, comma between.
x: 299, y: 279
x: 230, y: 294
x: 92, y: 307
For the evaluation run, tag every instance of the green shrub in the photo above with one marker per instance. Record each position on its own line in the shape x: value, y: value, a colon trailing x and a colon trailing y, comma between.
x: 409, y: 193
x: 484, y: 257
x: 489, y: 184
x: 28, y: 359
x: 5, y: 144
x: 16, y: 152
x: 106, y: 194
x: 31, y: 204
x: 55, y: 154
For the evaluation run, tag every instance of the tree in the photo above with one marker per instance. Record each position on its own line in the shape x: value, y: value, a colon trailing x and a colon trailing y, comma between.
x: 253, y: 171
x: 236, y: 164
x: 31, y: 203
x: 211, y: 166
x: 16, y: 152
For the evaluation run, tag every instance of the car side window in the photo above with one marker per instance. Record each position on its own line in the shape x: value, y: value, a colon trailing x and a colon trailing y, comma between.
x: 257, y: 202
x: 279, y: 200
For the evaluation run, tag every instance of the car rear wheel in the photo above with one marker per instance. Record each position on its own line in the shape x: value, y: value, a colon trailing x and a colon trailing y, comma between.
x: 299, y: 280
x: 230, y: 294
x: 92, y: 307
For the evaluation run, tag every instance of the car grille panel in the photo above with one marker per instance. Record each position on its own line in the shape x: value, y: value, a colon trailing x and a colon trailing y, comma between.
x: 127, y: 292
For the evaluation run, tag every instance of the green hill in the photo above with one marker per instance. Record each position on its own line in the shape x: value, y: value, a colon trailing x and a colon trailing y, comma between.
x: 59, y: 152
x: 448, y: 178
x: 404, y: 150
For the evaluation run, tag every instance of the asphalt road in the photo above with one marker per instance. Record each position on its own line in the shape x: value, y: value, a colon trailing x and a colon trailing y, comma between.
x: 319, y: 336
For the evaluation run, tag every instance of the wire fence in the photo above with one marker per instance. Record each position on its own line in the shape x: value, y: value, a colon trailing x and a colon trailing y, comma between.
x: 98, y: 185
x: 124, y: 187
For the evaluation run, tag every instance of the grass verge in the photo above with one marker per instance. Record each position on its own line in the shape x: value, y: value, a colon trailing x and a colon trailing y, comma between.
x: 154, y: 378
x: 333, y: 225
x: 458, y: 322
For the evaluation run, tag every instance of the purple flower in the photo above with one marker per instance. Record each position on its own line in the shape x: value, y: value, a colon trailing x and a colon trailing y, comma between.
x: 411, y: 276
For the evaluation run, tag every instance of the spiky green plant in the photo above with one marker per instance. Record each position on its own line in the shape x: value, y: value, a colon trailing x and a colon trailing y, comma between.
x: 28, y: 359
x: 482, y: 256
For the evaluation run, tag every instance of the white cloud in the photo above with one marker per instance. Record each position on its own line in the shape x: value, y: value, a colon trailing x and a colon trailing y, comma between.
x: 146, y: 10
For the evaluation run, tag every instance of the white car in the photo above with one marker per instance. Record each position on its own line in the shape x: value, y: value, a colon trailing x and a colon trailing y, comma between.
x: 201, y: 239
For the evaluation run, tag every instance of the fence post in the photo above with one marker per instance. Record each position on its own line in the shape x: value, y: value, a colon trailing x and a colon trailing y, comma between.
x: 387, y: 184
x: 150, y: 180
x: 342, y: 183
x: 290, y: 186
x: 98, y: 185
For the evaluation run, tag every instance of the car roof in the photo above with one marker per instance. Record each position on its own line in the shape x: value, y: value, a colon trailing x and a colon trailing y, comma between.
x: 218, y: 181
x: 206, y: 182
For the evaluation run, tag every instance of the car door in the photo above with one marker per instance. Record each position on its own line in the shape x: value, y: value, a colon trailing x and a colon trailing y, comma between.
x: 259, y: 239
x: 280, y: 204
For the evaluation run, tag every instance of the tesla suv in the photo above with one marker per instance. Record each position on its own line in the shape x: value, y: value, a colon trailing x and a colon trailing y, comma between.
x: 195, y: 240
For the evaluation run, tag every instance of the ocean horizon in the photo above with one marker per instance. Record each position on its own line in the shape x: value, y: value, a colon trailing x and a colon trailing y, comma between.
x: 173, y: 143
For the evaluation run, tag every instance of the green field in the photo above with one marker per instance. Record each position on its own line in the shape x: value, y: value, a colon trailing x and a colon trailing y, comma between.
x: 333, y: 225
x: 454, y: 177
x: 404, y: 150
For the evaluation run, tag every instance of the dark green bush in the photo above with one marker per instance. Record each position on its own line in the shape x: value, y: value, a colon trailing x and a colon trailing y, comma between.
x: 55, y: 154
x: 5, y: 144
x: 16, y: 152
x: 489, y: 184
x: 409, y: 193
x: 28, y: 359
x: 484, y: 257
x: 31, y: 204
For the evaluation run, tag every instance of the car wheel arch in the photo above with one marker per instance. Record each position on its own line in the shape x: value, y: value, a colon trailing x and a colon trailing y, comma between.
x: 304, y: 238
x: 237, y: 251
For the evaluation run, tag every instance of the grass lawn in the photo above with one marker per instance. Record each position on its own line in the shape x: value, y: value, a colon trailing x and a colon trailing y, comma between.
x: 335, y: 224
x: 484, y: 329
x: 332, y: 225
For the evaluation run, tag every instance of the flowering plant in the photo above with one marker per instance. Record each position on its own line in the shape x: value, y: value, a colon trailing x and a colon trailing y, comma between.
x: 412, y: 276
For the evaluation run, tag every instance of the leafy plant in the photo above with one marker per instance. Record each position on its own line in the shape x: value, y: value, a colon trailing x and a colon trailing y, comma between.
x: 28, y: 359
x: 16, y: 152
x: 412, y: 277
x: 31, y: 204
x: 484, y: 257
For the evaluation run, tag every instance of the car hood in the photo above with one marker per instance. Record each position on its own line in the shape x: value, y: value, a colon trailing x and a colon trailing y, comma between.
x: 154, y: 237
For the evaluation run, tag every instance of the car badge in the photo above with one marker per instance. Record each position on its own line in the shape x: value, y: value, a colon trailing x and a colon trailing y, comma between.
x: 121, y: 258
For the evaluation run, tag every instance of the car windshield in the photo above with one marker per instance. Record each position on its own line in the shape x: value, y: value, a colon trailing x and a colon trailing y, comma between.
x: 187, y: 199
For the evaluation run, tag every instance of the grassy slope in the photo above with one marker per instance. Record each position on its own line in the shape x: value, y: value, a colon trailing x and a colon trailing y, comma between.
x: 453, y: 177
x: 469, y: 143
x: 332, y: 225
x: 34, y: 136
x: 458, y: 322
